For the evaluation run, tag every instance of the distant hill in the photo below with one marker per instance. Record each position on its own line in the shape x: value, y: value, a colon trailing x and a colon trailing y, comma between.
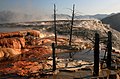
x: 66, y: 16
x: 97, y: 16
x: 62, y: 16
x: 113, y: 20
x: 11, y: 16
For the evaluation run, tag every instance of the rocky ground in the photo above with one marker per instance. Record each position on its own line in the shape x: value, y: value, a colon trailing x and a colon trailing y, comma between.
x: 26, y: 54
x: 23, y: 54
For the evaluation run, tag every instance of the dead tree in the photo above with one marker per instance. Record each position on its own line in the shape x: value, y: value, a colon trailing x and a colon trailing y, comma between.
x: 71, y: 26
x: 53, y: 53
x: 55, y: 24
x: 71, y: 29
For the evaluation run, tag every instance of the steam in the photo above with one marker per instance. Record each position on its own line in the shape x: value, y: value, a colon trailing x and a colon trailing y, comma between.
x: 12, y: 16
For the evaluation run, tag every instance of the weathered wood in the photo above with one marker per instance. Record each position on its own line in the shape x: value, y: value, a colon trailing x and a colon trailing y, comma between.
x: 96, y: 55
x: 109, y: 47
x: 54, y: 62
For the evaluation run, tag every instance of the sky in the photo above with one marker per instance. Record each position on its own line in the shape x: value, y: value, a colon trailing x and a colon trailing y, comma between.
x: 84, y: 7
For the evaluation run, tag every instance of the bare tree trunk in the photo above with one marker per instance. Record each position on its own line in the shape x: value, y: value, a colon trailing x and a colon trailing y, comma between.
x: 55, y: 24
x: 71, y: 29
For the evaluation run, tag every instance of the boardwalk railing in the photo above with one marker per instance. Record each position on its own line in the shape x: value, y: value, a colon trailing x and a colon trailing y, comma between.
x: 96, y: 52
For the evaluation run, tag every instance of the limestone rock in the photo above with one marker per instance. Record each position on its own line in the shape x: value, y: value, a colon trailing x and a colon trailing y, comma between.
x: 16, y: 43
x: 9, y: 53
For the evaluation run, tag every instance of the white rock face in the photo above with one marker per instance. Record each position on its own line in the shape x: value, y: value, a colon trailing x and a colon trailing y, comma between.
x: 65, y: 63
x: 92, y: 25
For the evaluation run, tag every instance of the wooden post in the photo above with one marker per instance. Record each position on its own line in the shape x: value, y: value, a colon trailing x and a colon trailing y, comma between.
x: 55, y: 24
x: 96, y: 55
x: 53, y: 53
x: 109, y: 47
x: 71, y: 29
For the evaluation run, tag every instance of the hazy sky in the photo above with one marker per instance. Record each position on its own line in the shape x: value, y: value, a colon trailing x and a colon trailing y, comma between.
x: 46, y: 6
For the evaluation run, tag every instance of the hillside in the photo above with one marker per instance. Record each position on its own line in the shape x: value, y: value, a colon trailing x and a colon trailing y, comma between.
x: 113, y: 20
x: 97, y: 16
x: 68, y: 17
x: 83, y: 30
